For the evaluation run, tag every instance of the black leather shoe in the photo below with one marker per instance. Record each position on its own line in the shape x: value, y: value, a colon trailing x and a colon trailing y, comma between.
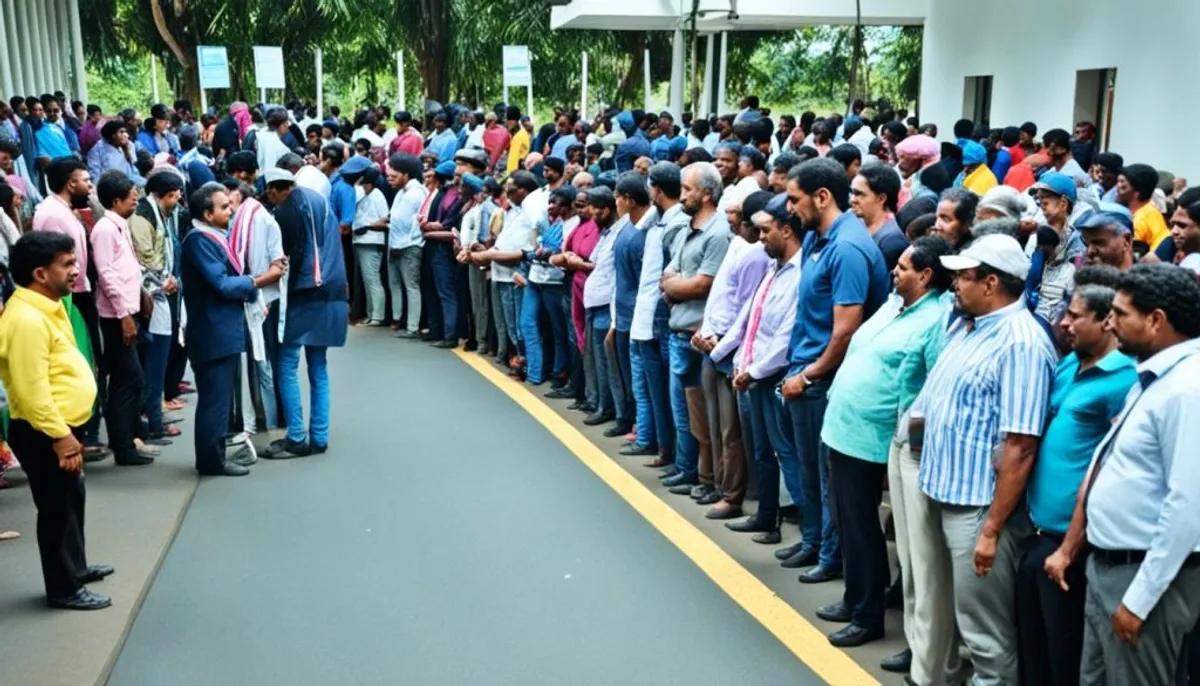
x: 854, y: 635
x: 319, y: 449
x: 445, y: 345
x: 701, y: 490
x: 710, y: 498
x: 598, y: 418
x: 837, y: 612
x: 82, y: 600
x: 899, y: 663
x: 803, y: 558
x: 681, y: 489
x: 560, y: 393
x: 286, y: 448
x: 785, y: 553
x: 636, y: 449
x: 668, y: 473
x: 135, y: 460
x: 618, y: 430
x: 749, y: 525
x: 820, y: 574
x: 681, y: 480
x: 767, y: 537
x: 96, y: 573
x: 228, y: 469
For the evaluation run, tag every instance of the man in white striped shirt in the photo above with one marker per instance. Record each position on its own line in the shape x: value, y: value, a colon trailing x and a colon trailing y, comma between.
x: 981, y: 413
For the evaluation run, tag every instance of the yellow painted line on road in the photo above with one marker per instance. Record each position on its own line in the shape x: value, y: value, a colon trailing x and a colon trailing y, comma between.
x: 799, y: 636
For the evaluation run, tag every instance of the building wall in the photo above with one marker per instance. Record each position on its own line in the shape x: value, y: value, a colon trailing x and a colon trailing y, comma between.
x: 1033, y: 49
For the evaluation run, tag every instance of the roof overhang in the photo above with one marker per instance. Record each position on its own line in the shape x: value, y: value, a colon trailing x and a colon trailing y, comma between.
x: 732, y: 15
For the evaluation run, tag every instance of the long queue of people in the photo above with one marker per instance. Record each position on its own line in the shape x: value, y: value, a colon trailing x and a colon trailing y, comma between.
x: 834, y: 304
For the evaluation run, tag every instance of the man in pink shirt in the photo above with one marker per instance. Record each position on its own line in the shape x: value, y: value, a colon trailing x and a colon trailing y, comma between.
x: 496, y: 139
x: 69, y: 183
x: 119, y: 302
x: 407, y: 141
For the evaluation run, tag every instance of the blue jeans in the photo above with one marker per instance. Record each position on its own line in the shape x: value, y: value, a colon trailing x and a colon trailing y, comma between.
x: 651, y: 391
x: 546, y: 298
x: 597, y: 323
x: 510, y: 309
x: 445, y: 279
x: 773, y: 450
x: 621, y: 378
x: 685, y: 373
x: 289, y: 390
x: 808, y: 415
x: 154, y: 350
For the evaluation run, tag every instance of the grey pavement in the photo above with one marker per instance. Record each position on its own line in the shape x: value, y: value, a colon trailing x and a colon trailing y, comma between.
x: 446, y: 538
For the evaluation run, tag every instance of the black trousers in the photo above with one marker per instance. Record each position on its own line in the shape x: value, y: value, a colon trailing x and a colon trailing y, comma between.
x: 216, y: 383
x: 1049, y: 621
x: 126, y: 390
x: 856, y: 492
x: 177, y: 358
x: 59, y: 498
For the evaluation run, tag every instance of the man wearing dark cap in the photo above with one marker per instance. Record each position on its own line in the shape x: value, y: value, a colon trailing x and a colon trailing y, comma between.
x: 1108, y: 235
x: 470, y: 161
x: 406, y: 141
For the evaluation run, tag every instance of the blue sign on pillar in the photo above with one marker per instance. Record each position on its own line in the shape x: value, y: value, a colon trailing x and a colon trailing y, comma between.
x: 213, y: 66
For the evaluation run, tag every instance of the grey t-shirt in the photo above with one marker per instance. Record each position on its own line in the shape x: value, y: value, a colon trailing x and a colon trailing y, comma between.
x: 697, y: 251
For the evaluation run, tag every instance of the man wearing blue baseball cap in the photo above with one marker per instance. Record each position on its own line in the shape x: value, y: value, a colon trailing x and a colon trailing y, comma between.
x: 1053, y: 272
x: 1108, y: 235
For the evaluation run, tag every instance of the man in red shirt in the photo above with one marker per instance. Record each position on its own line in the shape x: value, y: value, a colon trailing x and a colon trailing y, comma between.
x: 496, y: 139
x: 407, y: 141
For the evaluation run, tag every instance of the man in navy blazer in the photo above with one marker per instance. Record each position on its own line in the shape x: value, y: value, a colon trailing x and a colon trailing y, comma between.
x: 215, y: 293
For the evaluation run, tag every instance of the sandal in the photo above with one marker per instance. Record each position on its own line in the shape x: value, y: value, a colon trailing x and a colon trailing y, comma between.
x: 9, y: 535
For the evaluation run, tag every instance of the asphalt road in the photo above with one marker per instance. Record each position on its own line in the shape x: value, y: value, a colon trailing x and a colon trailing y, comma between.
x: 446, y: 538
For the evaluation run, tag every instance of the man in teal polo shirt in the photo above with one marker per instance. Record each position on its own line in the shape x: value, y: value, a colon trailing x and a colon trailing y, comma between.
x: 1089, y: 390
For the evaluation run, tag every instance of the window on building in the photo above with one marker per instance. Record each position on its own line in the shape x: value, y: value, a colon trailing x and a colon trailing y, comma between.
x: 977, y: 99
x: 1094, y: 91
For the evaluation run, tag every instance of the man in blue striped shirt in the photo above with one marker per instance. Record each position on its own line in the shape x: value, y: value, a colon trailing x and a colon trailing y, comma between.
x: 983, y: 408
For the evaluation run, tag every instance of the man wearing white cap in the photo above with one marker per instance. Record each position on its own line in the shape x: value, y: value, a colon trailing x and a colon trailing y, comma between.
x: 977, y: 424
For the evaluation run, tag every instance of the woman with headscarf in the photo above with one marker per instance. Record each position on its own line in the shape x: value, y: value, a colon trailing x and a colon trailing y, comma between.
x: 975, y: 175
x: 915, y: 154
x: 228, y: 135
x: 114, y: 151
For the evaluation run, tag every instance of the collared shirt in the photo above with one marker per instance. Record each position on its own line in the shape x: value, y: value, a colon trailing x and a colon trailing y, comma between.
x: 1147, y: 492
x: 407, y: 143
x: 739, y: 275
x: 1082, y: 407
x: 48, y: 381
x: 119, y: 292
x: 444, y: 144
x: 1149, y: 226
x: 55, y: 215
x: 697, y: 250
x: 992, y: 379
x: 582, y: 242
x: 598, y: 290
x: 403, y: 231
x: 342, y: 201
x: 518, y: 149
x: 516, y: 236
x: 651, y: 309
x: 886, y: 365
x: 767, y: 347
x: 369, y: 208
x: 628, y: 253
x: 550, y: 237
x: 842, y: 268
x: 314, y: 179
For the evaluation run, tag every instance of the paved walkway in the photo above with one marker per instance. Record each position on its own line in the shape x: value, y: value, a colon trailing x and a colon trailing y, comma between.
x: 450, y: 536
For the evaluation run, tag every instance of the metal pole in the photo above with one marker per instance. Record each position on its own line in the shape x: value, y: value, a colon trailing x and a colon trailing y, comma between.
x: 81, y: 91
x: 583, y: 99
x: 154, y: 78
x: 399, y: 80
x: 646, y: 80
x: 721, y: 101
x: 262, y: 95
x: 320, y: 87
x: 529, y: 97
x: 203, y: 101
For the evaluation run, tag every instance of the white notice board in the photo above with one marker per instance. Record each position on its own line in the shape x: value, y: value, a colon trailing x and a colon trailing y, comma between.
x: 268, y: 67
x: 516, y: 66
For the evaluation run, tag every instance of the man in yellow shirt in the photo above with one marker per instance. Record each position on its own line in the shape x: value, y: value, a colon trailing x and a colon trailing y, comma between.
x: 1135, y: 187
x: 518, y: 147
x: 50, y: 390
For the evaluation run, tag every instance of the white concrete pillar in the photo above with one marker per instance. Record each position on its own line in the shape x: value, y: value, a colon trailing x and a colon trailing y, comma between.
x: 50, y: 38
x: 676, y: 98
x: 646, y: 80
x: 29, y: 56
x: 583, y: 88
x: 722, y: 102
x: 43, y: 47
x: 320, y: 86
x: 13, y: 49
x: 79, y: 70
x: 399, y: 80
x: 6, y: 77
x: 154, y: 77
x: 706, y: 108
x: 62, y: 28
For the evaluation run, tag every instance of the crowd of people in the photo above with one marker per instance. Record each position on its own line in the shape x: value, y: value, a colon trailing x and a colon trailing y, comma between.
x: 994, y: 329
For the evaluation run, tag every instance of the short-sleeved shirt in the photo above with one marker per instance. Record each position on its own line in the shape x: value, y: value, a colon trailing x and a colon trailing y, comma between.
x: 993, y: 378
x: 843, y: 268
x: 1082, y: 407
x: 1149, y: 226
x: 697, y: 251
x: 892, y: 243
x: 628, y: 251
x: 518, y: 150
x: 517, y: 235
x: 582, y: 242
x: 342, y: 200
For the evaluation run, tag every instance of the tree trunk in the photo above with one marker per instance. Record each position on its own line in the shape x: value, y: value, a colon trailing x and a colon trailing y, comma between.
x: 433, y: 50
x: 184, y: 54
x: 856, y: 56
x: 635, y: 41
